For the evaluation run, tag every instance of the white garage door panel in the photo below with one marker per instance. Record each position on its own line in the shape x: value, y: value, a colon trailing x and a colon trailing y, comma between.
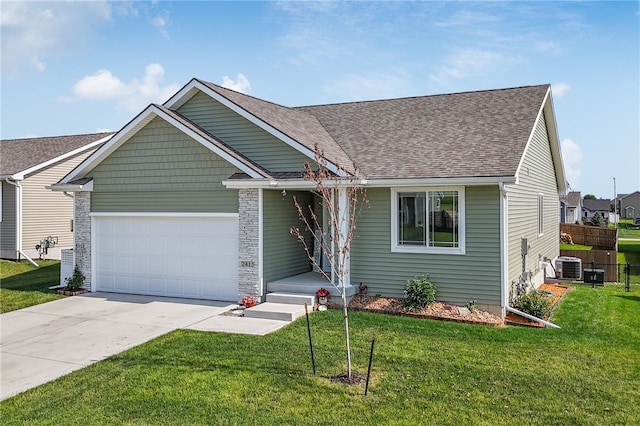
x: 193, y: 257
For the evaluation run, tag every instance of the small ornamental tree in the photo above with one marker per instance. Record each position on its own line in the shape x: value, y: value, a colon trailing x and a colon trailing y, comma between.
x: 343, y: 195
x: 598, y: 220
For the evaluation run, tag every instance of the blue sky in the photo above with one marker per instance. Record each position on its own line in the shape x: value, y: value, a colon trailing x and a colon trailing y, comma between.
x: 82, y: 67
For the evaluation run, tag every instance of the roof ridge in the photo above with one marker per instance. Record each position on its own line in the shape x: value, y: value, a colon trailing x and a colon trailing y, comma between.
x: 420, y: 96
x: 59, y: 136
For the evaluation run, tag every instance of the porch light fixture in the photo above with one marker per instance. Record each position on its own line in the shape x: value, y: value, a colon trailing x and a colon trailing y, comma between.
x: 284, y: 192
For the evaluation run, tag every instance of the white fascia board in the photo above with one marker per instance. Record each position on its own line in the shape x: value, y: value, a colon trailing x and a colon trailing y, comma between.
x: 114, y: 143
x: 187, y: 92
x: 62, y: 187
x: 132, y: 128
x: 546, y: 110
x: 21, y: 175
x: 207, y: 144
x: 461, y: 181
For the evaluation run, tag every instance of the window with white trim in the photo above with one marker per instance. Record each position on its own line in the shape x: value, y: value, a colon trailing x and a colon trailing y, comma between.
x: 428, y: 220
x: 540, y: 214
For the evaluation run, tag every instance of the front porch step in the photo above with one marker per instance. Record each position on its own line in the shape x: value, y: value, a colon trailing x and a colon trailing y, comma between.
x: 303, y: 288
x: 292, y: 298
x: 275, y: 311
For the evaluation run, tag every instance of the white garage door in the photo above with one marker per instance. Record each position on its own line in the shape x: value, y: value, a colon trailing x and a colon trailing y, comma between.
x: 182, y: 256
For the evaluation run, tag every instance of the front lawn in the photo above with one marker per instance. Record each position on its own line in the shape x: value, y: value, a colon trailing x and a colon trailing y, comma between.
x: 23, y: 285
x: 424, y: 372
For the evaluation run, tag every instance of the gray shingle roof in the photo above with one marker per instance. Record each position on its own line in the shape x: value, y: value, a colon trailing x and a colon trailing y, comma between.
x: 599, y: 204
x: 17, y: 155
x: 469, y: 134
x: 573, y: 198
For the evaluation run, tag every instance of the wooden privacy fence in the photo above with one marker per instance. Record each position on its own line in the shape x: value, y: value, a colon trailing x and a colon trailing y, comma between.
x: 602, y: 259
x: 596, y: 236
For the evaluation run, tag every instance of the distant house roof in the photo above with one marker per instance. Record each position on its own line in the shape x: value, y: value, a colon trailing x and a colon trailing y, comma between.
x: 623, y: 196
x: 22, y: 155
x: 573, y: 199
x: 599, y: 205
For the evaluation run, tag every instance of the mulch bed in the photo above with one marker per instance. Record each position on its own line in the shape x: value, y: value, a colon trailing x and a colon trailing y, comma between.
x: 558, y: 292
x: 438, y: 310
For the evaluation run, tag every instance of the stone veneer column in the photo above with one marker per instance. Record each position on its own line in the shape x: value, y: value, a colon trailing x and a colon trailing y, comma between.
x: 249, y: 243
x: 82, y: 235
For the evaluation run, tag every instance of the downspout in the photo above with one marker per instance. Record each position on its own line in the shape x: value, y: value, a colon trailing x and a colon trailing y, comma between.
x: 505, y: 261
x: 531, y: 317
x: 16, y: 183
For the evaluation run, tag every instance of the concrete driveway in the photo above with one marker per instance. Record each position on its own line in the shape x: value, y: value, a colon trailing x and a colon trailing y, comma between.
x: 43, y: 342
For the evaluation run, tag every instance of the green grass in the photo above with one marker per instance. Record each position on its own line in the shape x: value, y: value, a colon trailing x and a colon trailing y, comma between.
x: 629, y: 251
x: 424, y: 372
x: 23, y: 285
x: 625, y: 230
x: 564, y: 246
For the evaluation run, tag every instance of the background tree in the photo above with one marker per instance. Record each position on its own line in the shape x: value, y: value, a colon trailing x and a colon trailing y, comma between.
x: 589, y: 197
x: 343, y: 198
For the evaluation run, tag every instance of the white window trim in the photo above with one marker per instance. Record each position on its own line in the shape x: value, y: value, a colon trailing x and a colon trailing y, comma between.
x: 395, y: 248
x: 540, y: 214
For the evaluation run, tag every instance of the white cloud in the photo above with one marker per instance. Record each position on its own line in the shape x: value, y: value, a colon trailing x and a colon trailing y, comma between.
x: 133, y: 96
x: 560, y: 89
x: 382, y: 85
x: 572, y: 159
x: 472, y: 62
x: 33, y: 32
x: 161, y: 23
x: 241, y: 84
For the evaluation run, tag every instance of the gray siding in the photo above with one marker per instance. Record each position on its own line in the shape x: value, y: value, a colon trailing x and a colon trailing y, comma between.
x: 537, y: 175
x: 160, y: 169
x: 284, y: 255
x: 242, y: 135
x: 8, y: 223
x: 458, y: 278
x: 45, y: 212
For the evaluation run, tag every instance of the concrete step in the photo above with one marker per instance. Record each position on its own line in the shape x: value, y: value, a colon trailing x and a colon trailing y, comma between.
x: 291, y: 298
x: 275, y: 311
x: 302, y: 288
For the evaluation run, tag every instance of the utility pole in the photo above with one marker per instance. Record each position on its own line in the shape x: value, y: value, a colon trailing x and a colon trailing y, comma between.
x: 615, y: 204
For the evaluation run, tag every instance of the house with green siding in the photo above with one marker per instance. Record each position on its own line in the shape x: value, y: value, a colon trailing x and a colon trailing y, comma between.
x: 194, y: 198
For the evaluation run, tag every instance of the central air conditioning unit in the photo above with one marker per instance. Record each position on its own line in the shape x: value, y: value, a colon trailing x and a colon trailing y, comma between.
x: 569, y: 268
x: 66, y: 265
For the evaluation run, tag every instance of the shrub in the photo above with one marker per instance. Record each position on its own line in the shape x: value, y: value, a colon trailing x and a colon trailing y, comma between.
x: 75, y: 281
x: 535, y: 304
x: 419, y: 292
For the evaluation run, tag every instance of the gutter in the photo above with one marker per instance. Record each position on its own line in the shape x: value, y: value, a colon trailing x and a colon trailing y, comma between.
x: 16, y: 183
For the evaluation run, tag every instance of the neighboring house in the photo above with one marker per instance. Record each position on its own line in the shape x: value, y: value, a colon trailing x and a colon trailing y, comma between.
x: 630, y: 205
x: 193, y: 198
x: 29, y: 212
x: 590, y: 207
x: 573, y: 207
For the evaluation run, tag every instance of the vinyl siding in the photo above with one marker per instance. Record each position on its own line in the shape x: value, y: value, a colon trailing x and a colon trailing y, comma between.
x: 160, y: 169
x: 284, y: 255
x: 458, y: 278
x: 8, y: 223
x: 45, y: 212
x: 536, y: 176
x: 242, y: 135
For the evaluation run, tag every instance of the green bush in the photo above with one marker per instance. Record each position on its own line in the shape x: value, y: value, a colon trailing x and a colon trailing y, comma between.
x: 535, y: 304
x: 75, y: 281
x: 419, y: 292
